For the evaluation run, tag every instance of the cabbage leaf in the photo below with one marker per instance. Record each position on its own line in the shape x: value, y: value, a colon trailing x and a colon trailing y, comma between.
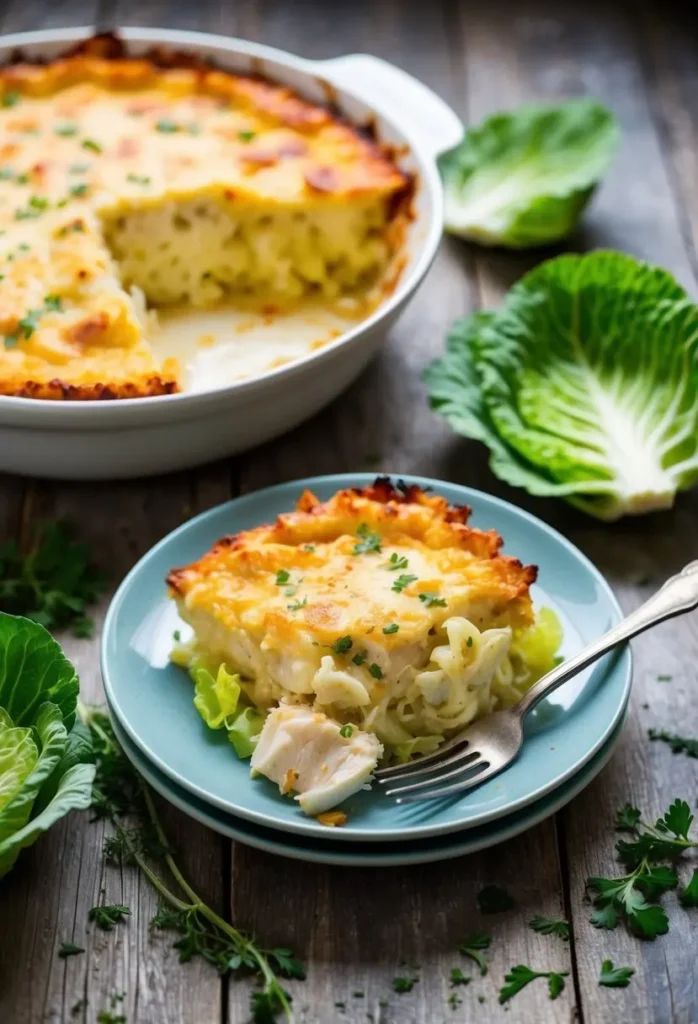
x: 523, y: 177
x: 45, y: 770
x: 244, y: 730
x: 584, y: 385
x: 215, y: 697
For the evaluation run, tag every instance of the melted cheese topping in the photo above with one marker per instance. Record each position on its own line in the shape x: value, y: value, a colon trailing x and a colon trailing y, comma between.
x: 190, y: 184
x: 363, y: 582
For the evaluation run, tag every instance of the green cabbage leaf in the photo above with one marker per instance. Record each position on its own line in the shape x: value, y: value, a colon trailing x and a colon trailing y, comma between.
x: 584, y: 385
x: 522, y: 178
x: 45, y: 769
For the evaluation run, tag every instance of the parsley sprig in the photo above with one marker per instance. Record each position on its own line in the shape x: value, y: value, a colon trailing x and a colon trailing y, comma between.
x: 106, y: 915
x: 615, y: 977
x: 633, y: 897
x: 52, y: 583
x: 550, y: 926
x: 121, y: 797
x: 474, y: 947
x: 369, y: 543
x: 521, y: 975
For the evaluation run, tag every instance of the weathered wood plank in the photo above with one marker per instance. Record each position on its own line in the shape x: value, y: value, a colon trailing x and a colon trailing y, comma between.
x: 544, y: 52
x: 46, y: 898
x: 354, y: 927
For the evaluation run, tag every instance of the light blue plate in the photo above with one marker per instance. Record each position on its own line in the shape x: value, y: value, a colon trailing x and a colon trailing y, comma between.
x: 152, y: 699
x: 373, y: 855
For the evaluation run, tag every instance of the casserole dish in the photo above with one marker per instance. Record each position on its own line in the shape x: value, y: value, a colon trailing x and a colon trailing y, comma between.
x: 136, y: 437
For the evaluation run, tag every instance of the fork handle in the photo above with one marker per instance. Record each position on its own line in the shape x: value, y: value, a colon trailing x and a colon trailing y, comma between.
x: 678, y: 595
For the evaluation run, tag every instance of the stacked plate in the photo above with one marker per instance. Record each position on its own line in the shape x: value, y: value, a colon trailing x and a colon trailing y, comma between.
x: 569, y: 737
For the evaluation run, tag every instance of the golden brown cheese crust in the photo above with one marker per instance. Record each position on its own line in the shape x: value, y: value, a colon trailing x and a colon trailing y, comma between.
x: 454, y: 569
x: 98, y: 134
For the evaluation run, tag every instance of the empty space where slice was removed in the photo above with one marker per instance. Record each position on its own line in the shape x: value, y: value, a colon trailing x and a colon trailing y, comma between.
x: 133, y: 193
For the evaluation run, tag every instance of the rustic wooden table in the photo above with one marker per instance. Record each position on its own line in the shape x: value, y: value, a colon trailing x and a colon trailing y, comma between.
x: 354, y: 927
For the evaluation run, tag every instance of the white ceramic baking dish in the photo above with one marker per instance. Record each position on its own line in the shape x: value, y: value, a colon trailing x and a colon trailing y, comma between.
x: 137, y: 437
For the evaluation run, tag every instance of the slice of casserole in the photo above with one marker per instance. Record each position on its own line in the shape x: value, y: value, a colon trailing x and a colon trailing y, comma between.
x: 380, y: 609
x: 161, y: 181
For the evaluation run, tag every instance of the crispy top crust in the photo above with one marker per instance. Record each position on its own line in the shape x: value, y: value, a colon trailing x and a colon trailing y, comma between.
x: 95, y: 135
x: 330, y: 569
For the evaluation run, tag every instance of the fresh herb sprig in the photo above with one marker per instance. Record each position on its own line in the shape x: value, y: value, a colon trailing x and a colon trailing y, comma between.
x: 53, y: 582
x: 521, y: 975
x: 550, y: 926
x: 633, y: 897
x: 122, y: 797
x: 474, y: 947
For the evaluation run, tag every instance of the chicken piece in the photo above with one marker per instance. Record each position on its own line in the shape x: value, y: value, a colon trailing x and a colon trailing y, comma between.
x: 322, y: 761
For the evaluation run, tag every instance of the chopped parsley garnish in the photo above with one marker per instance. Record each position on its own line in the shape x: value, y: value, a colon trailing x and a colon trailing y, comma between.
x: 296, y: 606
x: 66, y: 129
x: 678, y: 744
x: 346, y: 732
x: 308, y: 547
x: 246, y: 136
x: 369, y: 544
x: 105, y: 916
x: 11, y: 341
x: 342, y: 645
x: 474, y: 947
x: 550, y: 926
x: 6, y: 174
x: 79, y: 190
x: 396, y: 562
x: 69, y: 949
x: 520, y: 976
x: 494, y: 900
x: 138, y: 179
x: 375, y: 670
x: 10, y: 99
x: 633, y: 897
x: 90, y: 144
x: 22, y: 179
x: 30, y: 321
x: 177, y: 636
x: 458, y: 978
x: 432, y: 600
x: 664, y: 679
x: 52, y: 303
x: 454, y: 1001
x: 166, y: 126
x: 78, y: 168
x: 403, y: 581
x: 615, y: 977
x: 469, y: 642
x: 359, y: 658
x: 282, y: 577
x: 391, y: 628
x: 401, y: 985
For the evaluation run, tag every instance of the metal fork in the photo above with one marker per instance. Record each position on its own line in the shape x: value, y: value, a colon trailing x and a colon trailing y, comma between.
x: 489, y: 746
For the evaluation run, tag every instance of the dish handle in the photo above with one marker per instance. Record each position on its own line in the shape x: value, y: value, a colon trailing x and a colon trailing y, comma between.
x: 372, y: 79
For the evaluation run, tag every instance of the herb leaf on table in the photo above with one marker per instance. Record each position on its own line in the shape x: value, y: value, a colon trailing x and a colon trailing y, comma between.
x: 121, y: 797
x: 678, y: 744
x: 521, y: 975
x: 550, y: 926
x: 474, y: 947
x: 632, y: 897
x: 105, y: 916
x: 688, y: 897
x: 53, y: 583
x: 615, y: 977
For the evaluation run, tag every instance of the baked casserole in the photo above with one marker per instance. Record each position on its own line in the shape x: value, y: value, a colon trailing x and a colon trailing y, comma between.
x: 374, y: 624
x: 132, y: 184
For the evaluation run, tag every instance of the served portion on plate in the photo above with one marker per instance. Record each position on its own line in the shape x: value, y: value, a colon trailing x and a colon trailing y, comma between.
x: 369, y: 626
x: 129, y: 185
